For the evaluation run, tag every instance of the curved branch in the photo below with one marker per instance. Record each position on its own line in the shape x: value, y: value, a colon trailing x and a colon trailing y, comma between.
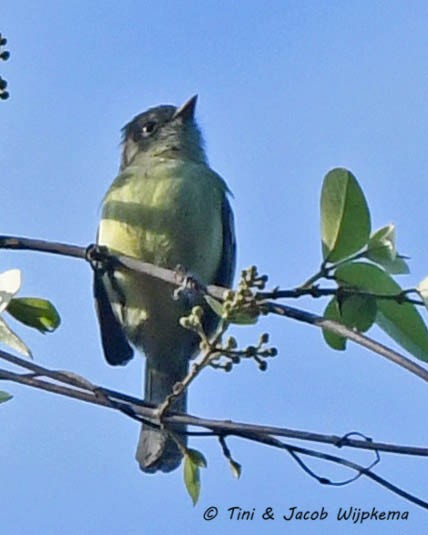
x: 73, y: 386
x: 337, y: 328
x: 293, y: 450
x: 171, y: 277
x: 80, y: 388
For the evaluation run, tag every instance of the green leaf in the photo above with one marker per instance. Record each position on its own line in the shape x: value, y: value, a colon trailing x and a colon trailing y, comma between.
x: 243, y: 317
x: 358, y: 312
x: 197, y: 457
x: 37, y: 313
x: 9, y: 338
x: 193, y: 460
x: 397, y: 267
x: 236, y: 468
x: 239, y: 317
x: 402, y: 322
x: 381, y: 247
x: 215, y: 305
x: 332, y: 312
x: 10, y: 283
x: 4, y: 396
x: 345, y: 217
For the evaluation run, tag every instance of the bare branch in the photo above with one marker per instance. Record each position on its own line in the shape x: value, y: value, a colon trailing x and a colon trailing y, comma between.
x: 361, y: 470
x: 171, y: 277
x: 337, y: 328
x: 76, y: 387
x: 317, y: 292
x: 84, y: 390
x: 42, y: 246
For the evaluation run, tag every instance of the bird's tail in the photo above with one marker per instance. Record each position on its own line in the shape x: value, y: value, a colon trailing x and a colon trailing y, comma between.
x: 156, y: 449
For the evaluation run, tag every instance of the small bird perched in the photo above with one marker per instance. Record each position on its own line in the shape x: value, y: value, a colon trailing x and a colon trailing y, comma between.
x: 169, y: 208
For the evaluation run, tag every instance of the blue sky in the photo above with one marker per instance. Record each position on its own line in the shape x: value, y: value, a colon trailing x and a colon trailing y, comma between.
x: 287, y: 90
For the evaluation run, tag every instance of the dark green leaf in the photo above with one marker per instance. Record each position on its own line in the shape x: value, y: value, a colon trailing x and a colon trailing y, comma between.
x: 332, y: 313
x: 197, y: 457
x: 345, y: 217
x: 34, y: 312
x: 358, y: 312
x: 402, y: 322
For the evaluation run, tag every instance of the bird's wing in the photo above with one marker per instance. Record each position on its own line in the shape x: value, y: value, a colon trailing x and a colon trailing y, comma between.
x: 226, y: 269
x: 115, y: 344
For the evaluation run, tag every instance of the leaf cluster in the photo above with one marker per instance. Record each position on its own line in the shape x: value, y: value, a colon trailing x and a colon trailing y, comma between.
x: 362, y: 264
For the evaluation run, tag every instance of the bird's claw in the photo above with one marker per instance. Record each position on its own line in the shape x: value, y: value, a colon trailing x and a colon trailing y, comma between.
x: 190, y: 288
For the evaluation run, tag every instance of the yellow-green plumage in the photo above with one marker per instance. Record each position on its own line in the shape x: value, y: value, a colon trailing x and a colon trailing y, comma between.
x: 166, y: 207
x: 164, y: 212
x: 177, y: 222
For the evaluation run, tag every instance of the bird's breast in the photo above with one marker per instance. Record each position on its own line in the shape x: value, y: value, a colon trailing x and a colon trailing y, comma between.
x: 169, y: 215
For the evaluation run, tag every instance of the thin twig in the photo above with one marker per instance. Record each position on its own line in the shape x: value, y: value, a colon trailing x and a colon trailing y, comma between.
x: 339, y: 329
x: 316, y: 292
x: 270, y: 441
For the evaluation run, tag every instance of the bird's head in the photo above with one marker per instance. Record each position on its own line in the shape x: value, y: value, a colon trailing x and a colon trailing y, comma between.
x: 163, y: 131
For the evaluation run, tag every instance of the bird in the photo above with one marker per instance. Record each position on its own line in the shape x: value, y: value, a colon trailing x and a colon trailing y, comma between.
x: 169, y: 208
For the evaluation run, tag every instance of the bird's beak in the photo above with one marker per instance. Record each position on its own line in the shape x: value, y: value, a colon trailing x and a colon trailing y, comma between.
x: 187, y: 110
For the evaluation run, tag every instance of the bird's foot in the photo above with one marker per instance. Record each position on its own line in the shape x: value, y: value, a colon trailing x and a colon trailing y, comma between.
x: 190, y: 289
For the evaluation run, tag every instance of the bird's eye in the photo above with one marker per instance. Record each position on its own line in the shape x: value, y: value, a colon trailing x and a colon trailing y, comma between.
x: 148, y: 128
